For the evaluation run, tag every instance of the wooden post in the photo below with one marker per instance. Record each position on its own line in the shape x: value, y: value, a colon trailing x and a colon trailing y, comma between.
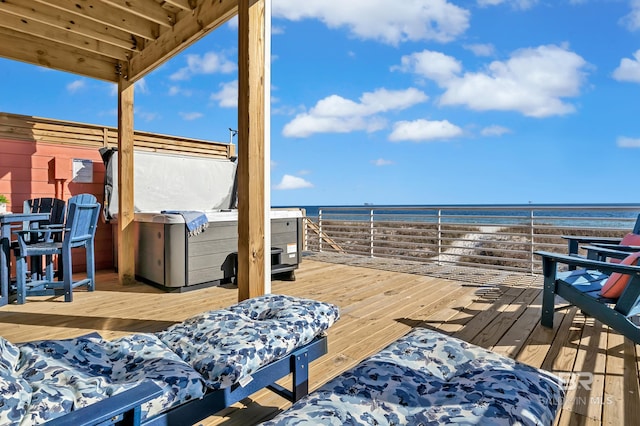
x: 265, y: 21
x: 126, y: 243
x: 252, y: 254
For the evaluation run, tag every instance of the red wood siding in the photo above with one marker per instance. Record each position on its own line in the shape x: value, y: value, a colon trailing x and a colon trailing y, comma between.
x: 25, y: 173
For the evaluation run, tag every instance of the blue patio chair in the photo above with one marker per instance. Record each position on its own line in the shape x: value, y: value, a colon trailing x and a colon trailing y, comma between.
x: 56, y: 209
x: 54, y: 206
x: 78, y: 232
x: 587, y: 287
x: 574, y: 242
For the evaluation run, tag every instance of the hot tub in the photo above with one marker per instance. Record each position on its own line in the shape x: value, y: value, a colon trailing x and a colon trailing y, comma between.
x: 167, y: 256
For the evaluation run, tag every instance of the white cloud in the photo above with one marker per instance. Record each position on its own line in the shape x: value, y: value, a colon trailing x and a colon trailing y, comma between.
x: 494, y: 131
x: 227, y: 97
x: 190, y: 116
x: 416, y: 20
x: 629, y: 69
x: 284, y: 109
x: 432, y: 65
x: 516, y: 4
x: 481, y: 49
x: 75, y: 86
x: 335, y: 114
x: 381, y: 162
x: 624, y: 142
x: 209, y: 63
x: 292, y: 182
x: 177, y: 90
x: 305, y: 125
x: 109, y: 113
x: 533, y: 81
x: 424, y: 131
x: 146, y: 116
x: 141, y: 86
x: 632, y: 20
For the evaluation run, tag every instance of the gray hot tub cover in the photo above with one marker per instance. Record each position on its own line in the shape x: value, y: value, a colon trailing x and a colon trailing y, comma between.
x: 172, y: 182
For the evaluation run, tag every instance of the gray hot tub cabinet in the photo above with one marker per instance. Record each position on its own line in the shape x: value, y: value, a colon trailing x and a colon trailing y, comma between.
x: 168, y: 257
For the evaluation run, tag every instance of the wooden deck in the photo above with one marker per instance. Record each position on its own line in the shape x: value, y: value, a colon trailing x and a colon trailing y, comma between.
x: 498, y: 311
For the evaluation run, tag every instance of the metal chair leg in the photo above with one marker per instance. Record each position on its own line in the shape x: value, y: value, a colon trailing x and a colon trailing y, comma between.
x: 21, y: 279
x: 67, y: 278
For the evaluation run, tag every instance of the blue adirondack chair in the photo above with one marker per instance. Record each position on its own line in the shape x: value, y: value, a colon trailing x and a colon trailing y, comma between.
x: 574, y: 242
x: 56, y: 209
x: 78, y: 232
x: 54, y: 206
x: 582, y: 285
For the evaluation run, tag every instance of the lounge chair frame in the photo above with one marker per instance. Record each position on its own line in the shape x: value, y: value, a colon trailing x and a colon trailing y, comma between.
x: 124, y: 408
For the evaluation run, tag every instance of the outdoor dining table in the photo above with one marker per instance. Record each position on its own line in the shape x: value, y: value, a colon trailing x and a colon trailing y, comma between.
x: 6, y: 221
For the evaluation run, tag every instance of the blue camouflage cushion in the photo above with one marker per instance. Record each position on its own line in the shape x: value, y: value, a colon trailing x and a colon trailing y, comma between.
x: 15, y: 392
x: 230, y: 344
x: 428, y: 378
x: 66, y: 375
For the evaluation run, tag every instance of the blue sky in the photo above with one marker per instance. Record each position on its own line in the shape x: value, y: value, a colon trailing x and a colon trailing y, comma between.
x: 421, y: 102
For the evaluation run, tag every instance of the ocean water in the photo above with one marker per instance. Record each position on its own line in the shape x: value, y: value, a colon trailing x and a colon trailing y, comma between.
x: 588, y: 215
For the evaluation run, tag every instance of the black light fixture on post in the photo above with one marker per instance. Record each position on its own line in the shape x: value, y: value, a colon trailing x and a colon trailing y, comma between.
x: 232, y: 133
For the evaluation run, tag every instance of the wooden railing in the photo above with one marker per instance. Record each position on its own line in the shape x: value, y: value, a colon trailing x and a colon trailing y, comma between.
x: 66, y: 133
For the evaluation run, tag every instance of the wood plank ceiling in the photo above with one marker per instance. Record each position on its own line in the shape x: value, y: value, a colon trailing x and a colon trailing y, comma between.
x: 105, y: 39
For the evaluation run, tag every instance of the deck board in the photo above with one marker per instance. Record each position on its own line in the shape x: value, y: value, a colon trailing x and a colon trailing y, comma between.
x: 614, y: 383
x: 377, y: 306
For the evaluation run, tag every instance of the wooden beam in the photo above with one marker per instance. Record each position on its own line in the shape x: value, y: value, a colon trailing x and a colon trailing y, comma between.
x: 35, y: 50
x: 209, y: 14
x: 147, y: 9
x: 182, y: 4
x: 126, y: 236
x: 47, y: 32
x: 251, y: 159
x: 104, y: 14
x: 75, y: 24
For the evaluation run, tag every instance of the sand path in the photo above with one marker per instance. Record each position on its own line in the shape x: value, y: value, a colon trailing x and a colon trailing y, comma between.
x: 467, y: 244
